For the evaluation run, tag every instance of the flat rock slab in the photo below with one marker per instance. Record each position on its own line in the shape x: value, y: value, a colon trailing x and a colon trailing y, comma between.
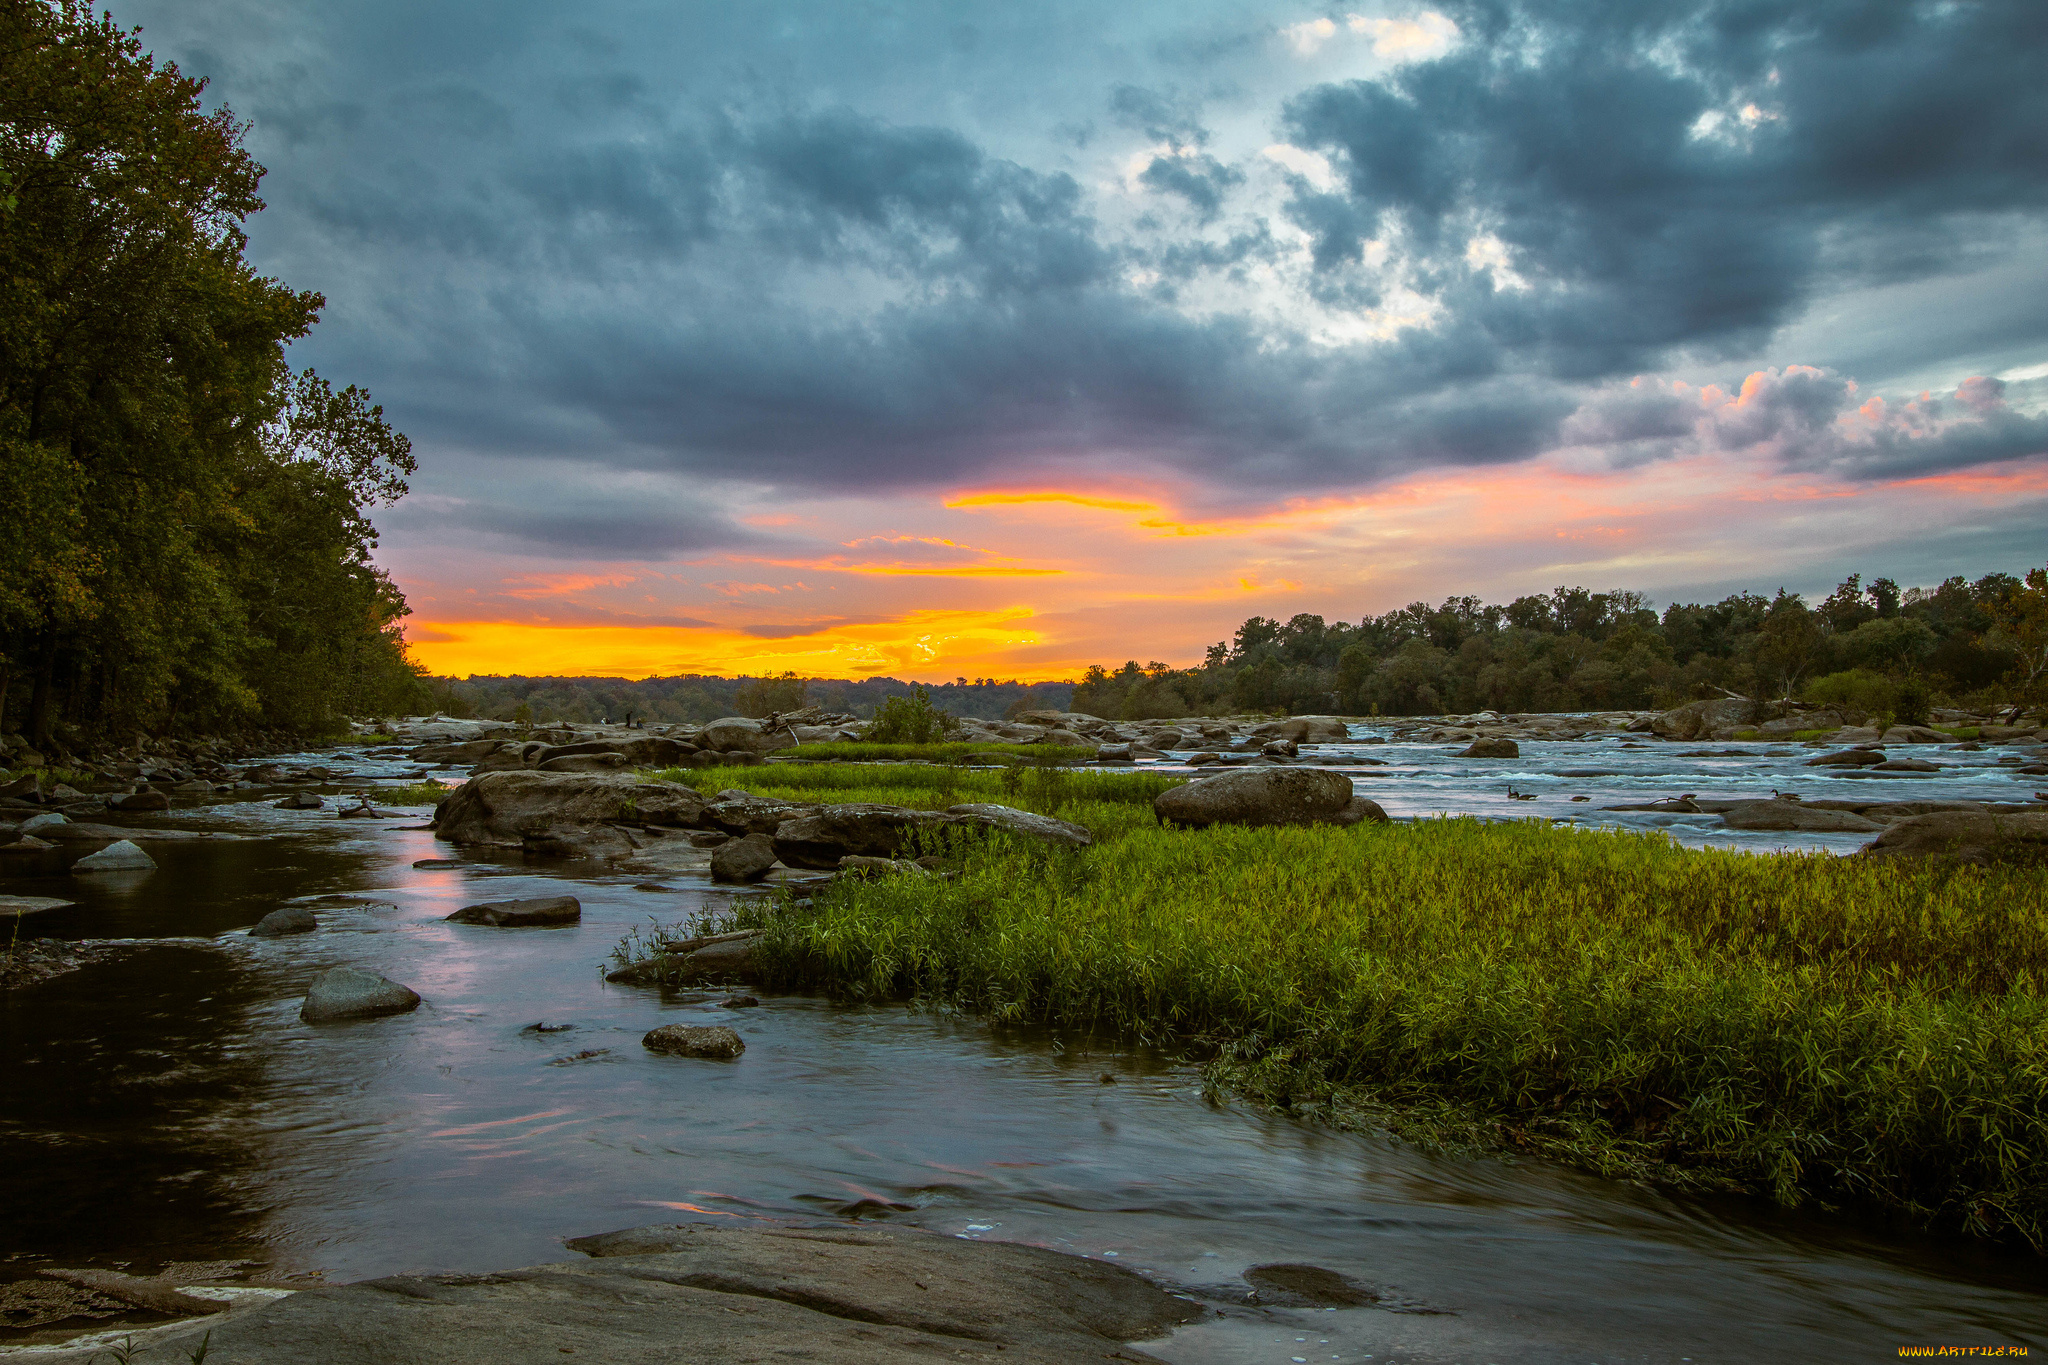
x: 536, y: 912
x: 851, y: 1296
x: 346, y: 993
x: 30, y: 905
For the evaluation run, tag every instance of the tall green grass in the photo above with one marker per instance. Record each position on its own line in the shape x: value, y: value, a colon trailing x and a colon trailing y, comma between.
x: 1809, y: 1027
x: 949, y: 751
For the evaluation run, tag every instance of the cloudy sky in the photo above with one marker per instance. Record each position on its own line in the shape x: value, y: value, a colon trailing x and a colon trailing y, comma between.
x: 941, y: 339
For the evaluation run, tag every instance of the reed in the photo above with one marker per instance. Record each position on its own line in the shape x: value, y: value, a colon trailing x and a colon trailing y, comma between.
x: 950, y: 751
x: 1803, y: 1026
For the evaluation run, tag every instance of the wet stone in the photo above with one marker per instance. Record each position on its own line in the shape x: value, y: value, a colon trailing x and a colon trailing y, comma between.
x: 535, y: 912
x: 694, y: 1040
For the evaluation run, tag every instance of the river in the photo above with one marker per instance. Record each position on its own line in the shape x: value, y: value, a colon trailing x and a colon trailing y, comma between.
x: 169, y: 1106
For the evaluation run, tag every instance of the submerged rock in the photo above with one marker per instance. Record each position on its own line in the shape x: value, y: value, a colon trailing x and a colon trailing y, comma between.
x: 291, y: 919
x: 1258, y: 796
x: 1794, y: 815
x: 534, y: 912
x: 348, y: 993
x: 714, y: 1041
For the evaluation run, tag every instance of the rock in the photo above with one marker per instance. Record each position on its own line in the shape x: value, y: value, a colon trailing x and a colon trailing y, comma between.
x: 1112, y: 753
x: 1856, y: 736
x: 469, y: 751
x: 1044, y: 828
x: 298, y: 801
x: 1979, y: 837
x: 720, y: 957
x: 534, y: 912
x: 854, y: 865
x: 119, y: 856
x: 154, y: 1295
x: 1061, y: 720
x: 743, y: 860
x: 1794, y: 815
x: 819, y: 840
x: 740, y: 734
x: 584, y: 763
x: 1360, y: 811
x: 14, y: 907
x: 139, y: 801
x: 1167, y: 739
x: 1066, y: 738
x: 1307, y: 1286
x: 1304, y: 730
x: 1848, y: 758
x: 362, y: 810
x: 1916, y: 734
x: 714, y: 1041
x: 24, y: 788
x: 1491, y: 748
x: 578, y: 841
x: 594, y: 746
x: 48, y: 821
x: 290, y: 919
x: 1699, y: 719
x: 739, y: 1002
x: 656, y: 752
x: 745, y: 813
x: 1280, y: 748
x: 347, y: 993
x: 26, y: 843
x: 502, y: 808
x: 1258, y: 796
x: 1906, y: 765
x: 847, y: 1295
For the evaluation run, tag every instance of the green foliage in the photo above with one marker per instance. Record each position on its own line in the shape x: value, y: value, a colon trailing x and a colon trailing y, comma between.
x: 759, y: 697
x: 910, y: 720
x: 1855, y: 689
x: 415, y: 794
x: 187, y: 541
x: 1802, y: 1026
x: 695, y: 697
x: 947, y: 751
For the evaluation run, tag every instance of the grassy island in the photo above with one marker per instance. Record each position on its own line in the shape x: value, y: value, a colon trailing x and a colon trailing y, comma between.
x: 1808, y: 1027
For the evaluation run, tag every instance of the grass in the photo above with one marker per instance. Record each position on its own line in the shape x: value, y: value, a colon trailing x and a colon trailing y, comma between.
x: 415, y: 794
x: 948, y: 752
x: 1801, y: 1026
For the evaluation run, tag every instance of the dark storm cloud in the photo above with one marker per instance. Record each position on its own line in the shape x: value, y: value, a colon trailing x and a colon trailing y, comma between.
x: 750, y: 256
x: 1694, y: 198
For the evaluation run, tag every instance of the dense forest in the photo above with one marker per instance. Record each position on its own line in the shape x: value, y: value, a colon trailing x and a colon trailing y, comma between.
x: 187, y: 545
x: 696, y: 698
x: 1875, y: 647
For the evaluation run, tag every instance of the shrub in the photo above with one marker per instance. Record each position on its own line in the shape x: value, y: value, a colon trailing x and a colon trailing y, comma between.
x: 910, y: 720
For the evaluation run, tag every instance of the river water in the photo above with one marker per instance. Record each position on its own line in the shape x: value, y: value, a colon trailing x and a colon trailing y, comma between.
x: 169, y: 1105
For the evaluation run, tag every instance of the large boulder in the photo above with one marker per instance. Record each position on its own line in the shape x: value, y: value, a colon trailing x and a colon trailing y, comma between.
x: 1699, y: 719
x: 1792, y: 815
x: 533, y: 912
x: 347, y: 993
x: 466, y: 752
x: 739, y: 734
x: 1304, y: 730
x: 1043, y: 828
x: 745, y: 813
x: 819, y: 840
x: 745, y: 859
x: 1916, y: 734
x: 1257, y: 796
x: 502, y: 808
x: 584, y: 763
x: 1848, y: 758
x: 655, y: 751
x: 1979, y: 837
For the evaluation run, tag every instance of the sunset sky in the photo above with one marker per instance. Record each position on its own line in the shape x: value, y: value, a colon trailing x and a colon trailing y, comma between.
x: 959, y: 339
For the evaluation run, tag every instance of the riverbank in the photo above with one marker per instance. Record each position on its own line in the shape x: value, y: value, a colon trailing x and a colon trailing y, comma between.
x: 1805, y: 1027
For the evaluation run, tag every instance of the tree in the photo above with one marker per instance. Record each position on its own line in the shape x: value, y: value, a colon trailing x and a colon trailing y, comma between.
x: 2021, y: 616
x: 1788, y: 645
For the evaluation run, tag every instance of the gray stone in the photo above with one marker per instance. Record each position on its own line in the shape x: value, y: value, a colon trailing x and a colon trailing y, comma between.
x: 1848, y: 758
x: 1043, y: 828
x: 503, y: 808
x: 1700, y: 719
x: 713, y: 1041
x: 120, y: 856
x: 140, y: 801
x: 1361, y: 810
x: 1979, y: 837
x: 744, y: 813
x: 41, y: 822
x: 291, y: 919
x: 300, y: 801
x: 744, y: 735
x: 745, y: 859
x: 1795, y: 815
x: 533, y: 912
x: 347, y: 993
x: 584, y: 763
x: 848, y: 1295
x: 1491, y: 748
x: 1257, y: 796
x: 819, y: 840
x: 16, y: 906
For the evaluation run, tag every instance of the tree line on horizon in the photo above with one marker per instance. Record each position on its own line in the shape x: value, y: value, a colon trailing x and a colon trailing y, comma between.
x: 1873, y: 647
x: 695, y: 698
x: 187, y: 543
